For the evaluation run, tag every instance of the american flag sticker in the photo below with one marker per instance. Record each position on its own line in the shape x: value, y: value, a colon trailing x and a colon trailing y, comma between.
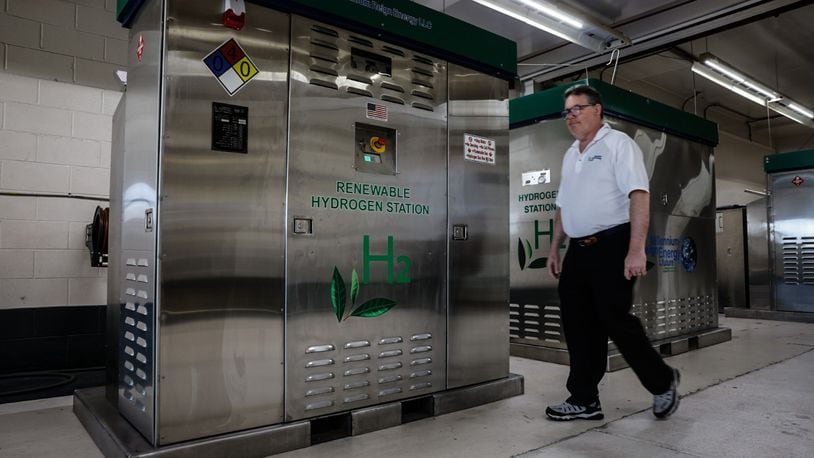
x: 376, y: 111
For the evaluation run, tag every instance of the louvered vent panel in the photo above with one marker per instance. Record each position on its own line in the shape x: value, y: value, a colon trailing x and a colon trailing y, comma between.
x: 361, y: 372
x: 413, y: 82
x: 791, y: 261
x: 136, y: 339
x: 807, y: 260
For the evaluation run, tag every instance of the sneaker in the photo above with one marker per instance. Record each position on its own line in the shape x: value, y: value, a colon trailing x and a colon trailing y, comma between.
x: 567, y: 411
x: 666, y: 403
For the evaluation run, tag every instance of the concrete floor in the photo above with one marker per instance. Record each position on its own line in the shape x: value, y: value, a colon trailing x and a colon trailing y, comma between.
x: 750, y: 397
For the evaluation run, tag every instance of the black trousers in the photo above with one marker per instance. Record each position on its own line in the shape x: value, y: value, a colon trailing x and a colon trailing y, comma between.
x: 595, y: 303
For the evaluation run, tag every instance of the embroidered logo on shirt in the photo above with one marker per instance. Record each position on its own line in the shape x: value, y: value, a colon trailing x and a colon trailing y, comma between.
x: 597, y: 157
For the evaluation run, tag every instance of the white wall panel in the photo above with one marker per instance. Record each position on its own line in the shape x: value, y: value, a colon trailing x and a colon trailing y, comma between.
x: 90, y: 181
x: 33, y: 234
x: 18, y: 146
x: 13, y: 207
x: 42, y: 239
x: 68, y: 151
x: 33, y: 292
x: 37, y: 119
x: 33, y: 176
x: 16, y: 263
x: 63, y: 263
x: 86, y: 291
x: 72, y: 210
x: 16, y: 89
x: 70, y: 97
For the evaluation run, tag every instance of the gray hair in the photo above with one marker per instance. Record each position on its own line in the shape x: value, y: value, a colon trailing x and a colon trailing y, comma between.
x: 594, y: 97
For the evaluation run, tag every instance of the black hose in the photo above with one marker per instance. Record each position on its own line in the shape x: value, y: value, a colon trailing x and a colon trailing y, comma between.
x: 65, y: 379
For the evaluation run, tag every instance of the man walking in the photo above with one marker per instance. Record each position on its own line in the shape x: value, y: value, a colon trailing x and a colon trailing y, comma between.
x: 603, y: 206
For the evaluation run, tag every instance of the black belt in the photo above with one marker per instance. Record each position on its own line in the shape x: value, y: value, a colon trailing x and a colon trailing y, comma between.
x: 595, y: 238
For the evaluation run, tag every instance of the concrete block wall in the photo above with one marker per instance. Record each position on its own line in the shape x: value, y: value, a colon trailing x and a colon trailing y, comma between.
x: 54, y: 140
x: 58, y: 92
x: 72, y: 41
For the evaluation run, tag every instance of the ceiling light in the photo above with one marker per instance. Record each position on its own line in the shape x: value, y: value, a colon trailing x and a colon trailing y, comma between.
x: 706, y: 73
x: 719, y: 72
x: 727, y: 70
x: 553, y: 12
x: 556, y: 21
x: 722, y: 69
x: 793, y: 115
x: 522, y: 18
x: 801, y: 110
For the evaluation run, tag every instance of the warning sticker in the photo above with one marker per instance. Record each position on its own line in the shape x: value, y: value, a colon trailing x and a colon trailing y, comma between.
x: 231, y: 66
x: 479, y: 149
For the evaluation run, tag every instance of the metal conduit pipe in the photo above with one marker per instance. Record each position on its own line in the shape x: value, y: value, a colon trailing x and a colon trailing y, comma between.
x: 60, y: 196
x: 749, y: 119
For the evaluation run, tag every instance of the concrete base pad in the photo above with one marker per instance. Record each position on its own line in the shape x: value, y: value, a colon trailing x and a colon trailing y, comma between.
x: 116, y: 437
x: 667, y: 347
x: 775, y: 315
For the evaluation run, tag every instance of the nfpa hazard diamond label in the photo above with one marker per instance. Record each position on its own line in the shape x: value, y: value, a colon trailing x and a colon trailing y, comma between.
x: 231, y: 66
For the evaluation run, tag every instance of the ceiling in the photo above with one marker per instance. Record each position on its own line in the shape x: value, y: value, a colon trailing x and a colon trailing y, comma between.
x: 771, y: 41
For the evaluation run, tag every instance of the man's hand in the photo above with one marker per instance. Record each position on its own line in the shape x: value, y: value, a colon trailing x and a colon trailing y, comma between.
x: 553, y: 264
x: 635, y: 265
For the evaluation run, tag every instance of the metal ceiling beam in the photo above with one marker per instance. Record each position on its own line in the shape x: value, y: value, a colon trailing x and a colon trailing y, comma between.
x: 739, y: 14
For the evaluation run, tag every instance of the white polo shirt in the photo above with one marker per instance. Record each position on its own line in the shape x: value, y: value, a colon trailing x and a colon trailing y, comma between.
x: 596, y: 184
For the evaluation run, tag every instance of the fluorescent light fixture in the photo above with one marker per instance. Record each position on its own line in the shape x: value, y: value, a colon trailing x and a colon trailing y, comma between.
x: 721, y: 69
x: 715, y: 64
x: 559, y: 22
x: 719, y: 72
x: 801, y: 110
x: 522, y: 18
x: 553, y: 12
x: 793, y: 115
x: 703, y: 71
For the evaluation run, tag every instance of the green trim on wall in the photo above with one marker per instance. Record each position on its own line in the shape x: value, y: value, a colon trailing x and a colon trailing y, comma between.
x: 618, y: 103
x: 784, y: 162
x: 402, y: 22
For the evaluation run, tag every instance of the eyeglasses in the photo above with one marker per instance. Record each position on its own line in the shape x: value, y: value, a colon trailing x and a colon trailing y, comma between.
x: 575, y: 110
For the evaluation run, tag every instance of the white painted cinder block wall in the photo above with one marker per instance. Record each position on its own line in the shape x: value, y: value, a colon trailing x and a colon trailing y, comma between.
x: 57, y: 96
x: 58, y: 93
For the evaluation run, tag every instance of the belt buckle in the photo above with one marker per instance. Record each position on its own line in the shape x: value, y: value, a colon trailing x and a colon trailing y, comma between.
x: 593, y: 240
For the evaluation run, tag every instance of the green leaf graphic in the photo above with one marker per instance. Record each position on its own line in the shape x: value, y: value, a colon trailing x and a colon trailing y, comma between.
x: 521, y: 254
x: 338, y: 294
x: 354, y: 286
x: 539, y: 263
x: 528, y: 249
x: 374, y: 307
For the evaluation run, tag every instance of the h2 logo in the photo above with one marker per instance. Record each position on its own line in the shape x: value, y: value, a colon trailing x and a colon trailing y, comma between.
x: 373, y: 307
x: 525, y: 252
x: 403, y: 261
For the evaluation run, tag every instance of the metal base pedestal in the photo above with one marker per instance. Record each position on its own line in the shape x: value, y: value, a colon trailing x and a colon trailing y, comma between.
x: 116, y: 437
x: 775, y: 315
x: 667, y: 347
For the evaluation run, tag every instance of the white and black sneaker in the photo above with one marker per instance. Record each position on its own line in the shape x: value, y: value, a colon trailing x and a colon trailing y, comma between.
x: 567, y: 411
x: 666, y: 403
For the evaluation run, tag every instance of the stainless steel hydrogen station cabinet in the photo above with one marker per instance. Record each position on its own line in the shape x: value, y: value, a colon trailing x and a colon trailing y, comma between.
x: 791, y: 230
x: 676, y: 300
x: 313, y: 213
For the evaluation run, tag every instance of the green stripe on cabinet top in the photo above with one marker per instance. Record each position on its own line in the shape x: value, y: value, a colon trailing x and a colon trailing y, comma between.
x: 619, y: 103
x: 401, y: 22
x: 797, y: 160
